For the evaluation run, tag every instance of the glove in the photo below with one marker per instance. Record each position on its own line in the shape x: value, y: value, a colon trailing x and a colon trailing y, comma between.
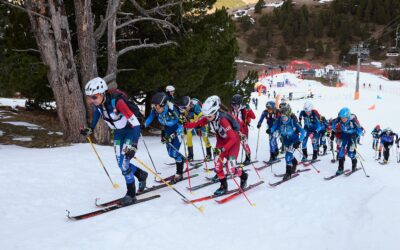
x: 182, y: 120
x: 296, y: 145
x: 130, y: 151
x: 167, y: 139
x: 258, y: 125
x: 242, y: 136
x: 86, y: 131
x: 218, y: 151
x: 142, y: 126
x: 268, y: 131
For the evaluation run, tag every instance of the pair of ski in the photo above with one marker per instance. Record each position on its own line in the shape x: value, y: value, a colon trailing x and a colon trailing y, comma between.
x: 169, y: 178
x: 297, y: 173
x: 210, y: 182
x: 116, y: 204
x: 347, y: 172
x: 268, y: 164
x: 232, y: 194
x: 239, y: 165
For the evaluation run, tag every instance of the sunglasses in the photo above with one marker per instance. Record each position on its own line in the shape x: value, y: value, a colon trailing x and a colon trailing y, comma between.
x: 93, y: 97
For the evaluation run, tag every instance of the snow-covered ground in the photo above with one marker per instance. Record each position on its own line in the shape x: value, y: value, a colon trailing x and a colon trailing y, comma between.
x: 12, y: 102
x: 37, y: 185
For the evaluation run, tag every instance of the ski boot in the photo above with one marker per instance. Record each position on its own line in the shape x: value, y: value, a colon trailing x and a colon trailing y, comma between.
x: 243, y: 180
x: 294, y: 161
x: 223, y: 188
x: 130, y: 196
x: 209, y: 154
x: 353, y: 164
x: 315, y: 155
x: 272, y: 157
x: 305, y: 155
x: 288, y: 173
x: 141, y: 176
x: 341, y: 166
x: 179, y: 173
x: 190, y: 154
x: 247, y: 160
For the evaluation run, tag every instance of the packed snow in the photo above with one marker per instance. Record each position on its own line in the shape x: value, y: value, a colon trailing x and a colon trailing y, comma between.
x: 355, y: 212
x: 12, y: 102
x: 24, y: 124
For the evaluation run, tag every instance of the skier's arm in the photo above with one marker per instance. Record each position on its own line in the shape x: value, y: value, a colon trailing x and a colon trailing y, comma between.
x: 95, y: 118
x: 231, y: 135
x: 150, y: 118
x: 300, y: 130
x: 199, y: 123
x: 263, y: 115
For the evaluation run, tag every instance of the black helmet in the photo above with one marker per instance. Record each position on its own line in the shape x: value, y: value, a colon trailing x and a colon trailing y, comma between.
x: 184, y: 102
x: 159, y: 98
x: 284, y: 109
x: 237, y: 99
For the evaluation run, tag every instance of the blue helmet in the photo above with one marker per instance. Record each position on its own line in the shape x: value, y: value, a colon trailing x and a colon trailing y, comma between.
x: 270, y: 104
x: 344, y: 113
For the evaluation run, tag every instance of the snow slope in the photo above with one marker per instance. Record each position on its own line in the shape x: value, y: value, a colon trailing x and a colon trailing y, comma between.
x: 37, y: 185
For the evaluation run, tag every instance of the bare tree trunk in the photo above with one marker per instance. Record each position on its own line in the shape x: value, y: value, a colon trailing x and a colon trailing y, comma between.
x: 54, y: 42
x: 112, y: 53
x: 87, y: 57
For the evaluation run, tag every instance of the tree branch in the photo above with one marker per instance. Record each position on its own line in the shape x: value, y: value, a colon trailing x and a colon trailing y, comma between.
x: 156, y: 10
x: 142, y: 19
x: 145, y: 45
x: 26, y: 50
x: 25, y: 9
x: 99, y: 32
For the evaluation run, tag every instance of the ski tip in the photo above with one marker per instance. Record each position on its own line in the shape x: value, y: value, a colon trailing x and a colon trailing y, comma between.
x: 68, y: 215
x: 253, y: 204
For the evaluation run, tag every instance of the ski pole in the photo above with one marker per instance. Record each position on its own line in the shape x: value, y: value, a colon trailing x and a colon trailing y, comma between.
x: 312, y: 165
x: 258, y: 140
x: 204, y: 154
x: 237, y: 184
x: 255, y: 169
x: 361, y: 157
x: 148, y: 152
x: 201, y: 208
x: 362, y: 165
x: 115, y: 185
x: 187, y: 163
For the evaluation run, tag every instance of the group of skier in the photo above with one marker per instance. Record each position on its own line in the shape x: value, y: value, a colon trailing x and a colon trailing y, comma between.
x: 383, y: 140
x: 187, y: 117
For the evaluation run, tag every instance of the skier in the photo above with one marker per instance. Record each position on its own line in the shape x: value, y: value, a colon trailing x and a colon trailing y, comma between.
x: 124, y: 118
x: 228, y: 141
x: 271, y: 114
x: 322, y: 134
x: 350, y: 129
x: 375, y: 136
x: 191, y: 111
x: 387, y: 141
x: 312, y: 126
x: 289, y: 129
x: 243, y: 115
x: 173, y: 129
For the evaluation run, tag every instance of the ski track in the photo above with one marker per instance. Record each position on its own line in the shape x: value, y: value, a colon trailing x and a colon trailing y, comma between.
x: 355, y: 212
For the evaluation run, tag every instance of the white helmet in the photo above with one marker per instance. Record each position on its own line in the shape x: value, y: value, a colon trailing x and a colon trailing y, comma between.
x: 96, y: 86
x: 308, y: 106
x: 211, y: 106
x: 169, y: 88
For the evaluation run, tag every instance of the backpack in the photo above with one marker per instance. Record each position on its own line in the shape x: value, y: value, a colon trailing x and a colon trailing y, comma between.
x: 235, y: 125
x: 117, y: 94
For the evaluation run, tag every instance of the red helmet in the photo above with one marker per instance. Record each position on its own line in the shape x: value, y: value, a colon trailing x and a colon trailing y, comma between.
x: 377, y: 127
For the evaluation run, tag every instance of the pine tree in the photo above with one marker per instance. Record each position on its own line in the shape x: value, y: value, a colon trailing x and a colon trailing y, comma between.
x: 258, y: 7
x: 282, y: 52
x: 319, y: 49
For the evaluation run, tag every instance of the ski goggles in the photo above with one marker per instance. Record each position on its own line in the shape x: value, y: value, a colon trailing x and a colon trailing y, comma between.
x: 93, y: 97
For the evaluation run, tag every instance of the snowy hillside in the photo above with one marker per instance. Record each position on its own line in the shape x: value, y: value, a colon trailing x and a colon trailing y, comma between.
x: 37, y: 185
